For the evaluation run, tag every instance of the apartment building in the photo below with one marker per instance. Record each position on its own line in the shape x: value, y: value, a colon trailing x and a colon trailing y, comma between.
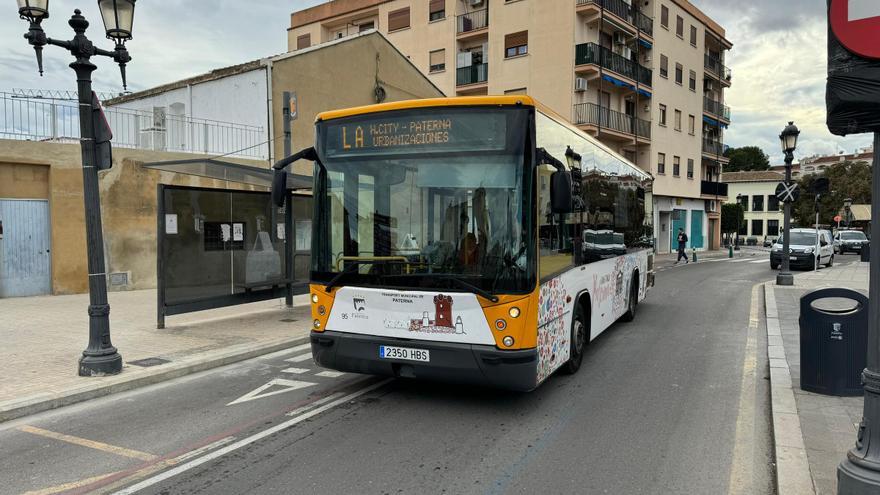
x: 647, y: 77
x: 817, y: 164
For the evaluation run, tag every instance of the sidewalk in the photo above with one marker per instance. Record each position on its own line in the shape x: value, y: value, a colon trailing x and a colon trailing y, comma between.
x: 44, y: 338
x: 826, y: 425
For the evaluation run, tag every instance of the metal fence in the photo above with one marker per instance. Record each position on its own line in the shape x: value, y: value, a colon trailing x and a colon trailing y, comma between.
x: 36, y: 119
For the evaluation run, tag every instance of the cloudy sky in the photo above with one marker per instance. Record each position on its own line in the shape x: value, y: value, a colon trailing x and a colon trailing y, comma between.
x: 778, y: 60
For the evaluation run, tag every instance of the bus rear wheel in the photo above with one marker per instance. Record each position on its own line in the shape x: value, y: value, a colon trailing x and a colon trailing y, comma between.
x: 633, y: 301
x: 580, y: 335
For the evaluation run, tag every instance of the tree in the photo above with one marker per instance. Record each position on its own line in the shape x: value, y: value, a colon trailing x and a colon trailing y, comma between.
x: 846, y: 180
x: 746, y: 158
x: 732, y: 218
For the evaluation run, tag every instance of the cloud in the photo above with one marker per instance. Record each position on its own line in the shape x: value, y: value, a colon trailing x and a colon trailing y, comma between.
x: 779, y: 70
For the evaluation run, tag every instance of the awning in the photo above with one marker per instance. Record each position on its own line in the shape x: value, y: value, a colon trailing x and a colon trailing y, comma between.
x: 713, y: 122
x: 645, y: 43
x: 233, y: 172
x: 644, y: 93
x: 617, y: 82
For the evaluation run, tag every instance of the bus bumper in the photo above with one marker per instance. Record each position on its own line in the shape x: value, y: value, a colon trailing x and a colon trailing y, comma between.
x: 459, y: 363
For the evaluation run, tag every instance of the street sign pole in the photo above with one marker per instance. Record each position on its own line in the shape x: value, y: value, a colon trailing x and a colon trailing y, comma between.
x: 785, y: 277
x: 288, y: 208
x: 859, y: 473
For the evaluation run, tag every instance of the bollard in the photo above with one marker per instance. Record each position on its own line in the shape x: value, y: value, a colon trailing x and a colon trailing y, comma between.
x: 730, y: 251
x: 694, y: 254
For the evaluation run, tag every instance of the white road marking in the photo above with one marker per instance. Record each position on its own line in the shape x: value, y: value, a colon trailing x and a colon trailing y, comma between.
x: 863, y: 9
x: 758, y: 261
x: 330, y: 374
x: 740, y: 260
x: 260, y: 392
x: 300, y: 358
x: 295, y: 371
x: 300, y: 410
x: 247, y: 441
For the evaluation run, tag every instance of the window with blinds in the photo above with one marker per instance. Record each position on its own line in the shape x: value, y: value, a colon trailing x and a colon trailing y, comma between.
x: 303, y: 41
x: 398, y: 19
x: 437, y: 61
x: 436, y: 10
x: 516, y: 44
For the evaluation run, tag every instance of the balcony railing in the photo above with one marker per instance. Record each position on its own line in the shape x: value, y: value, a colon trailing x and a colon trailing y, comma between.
x: 472, y: 74
x: 472, y: 21
x: 710, y: 188
x: 624, y: 11
x: 716, y: 108
x: 713, y: 147
x: 591, y: 53
x: 593, y: 114
x: 27, y: 119
x: 715, y: 66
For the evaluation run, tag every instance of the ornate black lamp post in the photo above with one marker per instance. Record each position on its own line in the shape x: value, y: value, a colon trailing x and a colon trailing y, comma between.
x: 739, y: 198
x: 788, y: 138
x: 100, y: 357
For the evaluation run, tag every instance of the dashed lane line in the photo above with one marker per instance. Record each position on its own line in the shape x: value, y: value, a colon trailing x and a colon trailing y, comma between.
x: 300, y: 358
x: 330, y: 374
x: 295, y: 371
x: 92, y: 444
x: 249, y: 440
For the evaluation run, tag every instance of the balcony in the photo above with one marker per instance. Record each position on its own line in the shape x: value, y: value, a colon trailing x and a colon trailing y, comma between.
x: 602, y: 119
x: 715, y: 189
x: 716, y: 108
x: 591, y: 53
x: 472, y: 24
x: 717, y: 69
x: 713, y: 147
x: 473, y: 74
x: 621, y: 10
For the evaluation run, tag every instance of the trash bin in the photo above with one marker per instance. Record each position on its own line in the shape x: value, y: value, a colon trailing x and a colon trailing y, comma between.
x: 865, y: 252
x: 833, y: 343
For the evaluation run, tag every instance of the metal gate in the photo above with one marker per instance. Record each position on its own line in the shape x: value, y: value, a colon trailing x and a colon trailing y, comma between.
x: 25, y: 260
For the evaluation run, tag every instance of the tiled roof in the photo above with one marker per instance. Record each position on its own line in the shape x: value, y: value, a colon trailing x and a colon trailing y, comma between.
x: 752, y: 176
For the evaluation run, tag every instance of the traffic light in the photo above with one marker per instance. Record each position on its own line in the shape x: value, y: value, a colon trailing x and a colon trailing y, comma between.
x: 103, y: 135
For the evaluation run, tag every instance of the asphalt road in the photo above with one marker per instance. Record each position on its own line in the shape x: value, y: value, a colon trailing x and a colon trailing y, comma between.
x: 675, y: 402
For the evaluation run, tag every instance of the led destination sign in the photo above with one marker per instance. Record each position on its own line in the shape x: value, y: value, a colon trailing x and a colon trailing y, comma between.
x: 434, y: 132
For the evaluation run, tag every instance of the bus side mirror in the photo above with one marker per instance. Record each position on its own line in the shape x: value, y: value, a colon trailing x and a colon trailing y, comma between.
x: 560, y: 192
x: 279, y: 187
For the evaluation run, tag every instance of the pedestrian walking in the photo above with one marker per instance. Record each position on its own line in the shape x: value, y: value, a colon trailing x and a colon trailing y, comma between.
x: 682, y: 243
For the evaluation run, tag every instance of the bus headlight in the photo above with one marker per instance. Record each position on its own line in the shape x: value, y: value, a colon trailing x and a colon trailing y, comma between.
x: 513, y: 312
x: 507, y: 340
x: 315, y: 298
x: 317, y: 323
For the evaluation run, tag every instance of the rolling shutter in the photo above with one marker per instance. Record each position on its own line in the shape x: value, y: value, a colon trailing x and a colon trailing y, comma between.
x: 398, y: 19
x: 437, y: 6
x: 303, y: 41
x: 516, y: 39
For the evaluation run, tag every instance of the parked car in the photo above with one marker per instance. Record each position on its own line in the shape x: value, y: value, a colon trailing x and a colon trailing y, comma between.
x: 849, y: 241
x: 804, y: 250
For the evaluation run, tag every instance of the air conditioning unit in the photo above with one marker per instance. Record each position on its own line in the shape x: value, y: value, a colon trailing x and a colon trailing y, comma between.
x: 619, y: 38
x: 709, y: 85
x: 580, y: 84
x: 711, y: 205
x: 626, y: 52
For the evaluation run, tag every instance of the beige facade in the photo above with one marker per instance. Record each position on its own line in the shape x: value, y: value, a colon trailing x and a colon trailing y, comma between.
x: 595, y: 62
x: 52, y: 170
x: 756, y: 191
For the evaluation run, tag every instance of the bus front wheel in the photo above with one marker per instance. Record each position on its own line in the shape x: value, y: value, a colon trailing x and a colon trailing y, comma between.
x: 633, y: 301
x: 580, y: 335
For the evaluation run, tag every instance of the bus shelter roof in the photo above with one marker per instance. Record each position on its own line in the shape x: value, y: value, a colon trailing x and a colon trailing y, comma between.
x: 228, y: 171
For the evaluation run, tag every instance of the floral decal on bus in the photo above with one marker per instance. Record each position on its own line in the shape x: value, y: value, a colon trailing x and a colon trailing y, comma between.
x: 553, y: 336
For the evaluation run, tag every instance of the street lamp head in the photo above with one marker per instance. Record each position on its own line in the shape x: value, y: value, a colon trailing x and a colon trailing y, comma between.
x: 789, y: 138
x: 118, y: 17
x: 573, y: 159
x: 33, y: 10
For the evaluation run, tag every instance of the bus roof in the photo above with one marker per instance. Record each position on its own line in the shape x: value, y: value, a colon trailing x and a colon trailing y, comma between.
x: 509, y: 100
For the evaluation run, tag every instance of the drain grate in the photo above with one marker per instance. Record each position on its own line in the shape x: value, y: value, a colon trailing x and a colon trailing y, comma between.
x: 150, y: 361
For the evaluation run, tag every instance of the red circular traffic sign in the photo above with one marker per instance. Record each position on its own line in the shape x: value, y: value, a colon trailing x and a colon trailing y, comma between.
x: 856, y: 23
x: 837, y: 218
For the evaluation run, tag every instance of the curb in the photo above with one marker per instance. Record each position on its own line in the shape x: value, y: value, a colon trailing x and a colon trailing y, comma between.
x: 129, y: 381
x: 792, y: 467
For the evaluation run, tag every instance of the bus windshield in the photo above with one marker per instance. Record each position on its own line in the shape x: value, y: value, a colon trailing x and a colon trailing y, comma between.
x: 425, y: 199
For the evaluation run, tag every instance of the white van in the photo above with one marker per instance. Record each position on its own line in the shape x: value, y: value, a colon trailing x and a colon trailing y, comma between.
x: 804, y: 251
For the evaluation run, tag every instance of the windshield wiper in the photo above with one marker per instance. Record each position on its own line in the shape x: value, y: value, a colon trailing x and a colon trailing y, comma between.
x: 339, y: 276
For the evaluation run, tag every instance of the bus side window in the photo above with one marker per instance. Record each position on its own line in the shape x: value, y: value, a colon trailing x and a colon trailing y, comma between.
x: 555, y: 244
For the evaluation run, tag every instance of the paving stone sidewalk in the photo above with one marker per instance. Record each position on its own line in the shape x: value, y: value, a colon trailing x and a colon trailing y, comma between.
x: 828, y: 424
x: 44, y: 338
